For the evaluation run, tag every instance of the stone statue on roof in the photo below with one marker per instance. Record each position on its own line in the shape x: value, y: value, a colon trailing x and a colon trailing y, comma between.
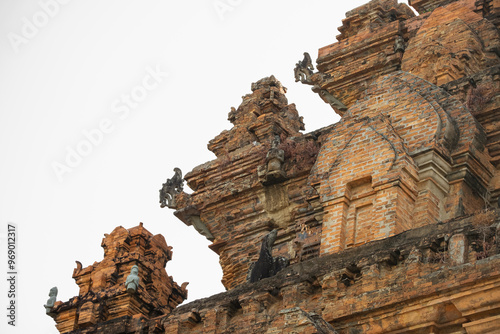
x: 51, y: 301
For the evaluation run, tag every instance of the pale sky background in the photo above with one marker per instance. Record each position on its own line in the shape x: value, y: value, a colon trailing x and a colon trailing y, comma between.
x: 69, y: 76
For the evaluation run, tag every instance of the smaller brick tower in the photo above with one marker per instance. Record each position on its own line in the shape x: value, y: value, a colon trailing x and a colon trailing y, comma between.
x: 103, y: 295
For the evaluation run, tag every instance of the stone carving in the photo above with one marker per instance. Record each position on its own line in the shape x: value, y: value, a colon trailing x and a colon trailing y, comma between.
x: 273, y: 171
x: 171, y: 189
x: 51, y: 301
x: 304, y: 69
x: 275, y: 157
x: 399, y: 44
x: 304, y: 72
x: 132, y: 282
x: 329, y: 98
x: 321, y: 325
x: 267, y: 265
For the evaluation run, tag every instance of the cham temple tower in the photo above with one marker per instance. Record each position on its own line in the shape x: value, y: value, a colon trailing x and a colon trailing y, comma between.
x: 385, y: 222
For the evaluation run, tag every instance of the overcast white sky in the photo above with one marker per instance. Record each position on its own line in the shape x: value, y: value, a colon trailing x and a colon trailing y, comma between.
x: 67, y: 73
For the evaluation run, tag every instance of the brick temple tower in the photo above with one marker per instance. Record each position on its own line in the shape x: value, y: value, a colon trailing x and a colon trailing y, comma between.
x: 385, y: 222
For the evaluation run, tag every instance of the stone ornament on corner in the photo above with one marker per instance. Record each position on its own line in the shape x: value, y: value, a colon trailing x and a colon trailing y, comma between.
x: 170, y: 189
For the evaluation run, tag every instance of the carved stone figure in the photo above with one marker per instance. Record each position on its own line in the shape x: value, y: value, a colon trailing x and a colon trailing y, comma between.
x: 267, y: 265
x: 171, y: 189
x: 275, y: 157
x: 51, y: 301
x: 132, y: 282
x: 304, y: 69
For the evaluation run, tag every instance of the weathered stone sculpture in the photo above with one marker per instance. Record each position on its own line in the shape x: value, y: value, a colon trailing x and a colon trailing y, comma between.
x: 275, y: 157
x: 399, y: 44
x: 171, y: 189
x: 272, y: 172
x: 132, y: 282
x: 267, y: 265
x: 304, y: 73
x: 304, y: 69
x: 51, y: 301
